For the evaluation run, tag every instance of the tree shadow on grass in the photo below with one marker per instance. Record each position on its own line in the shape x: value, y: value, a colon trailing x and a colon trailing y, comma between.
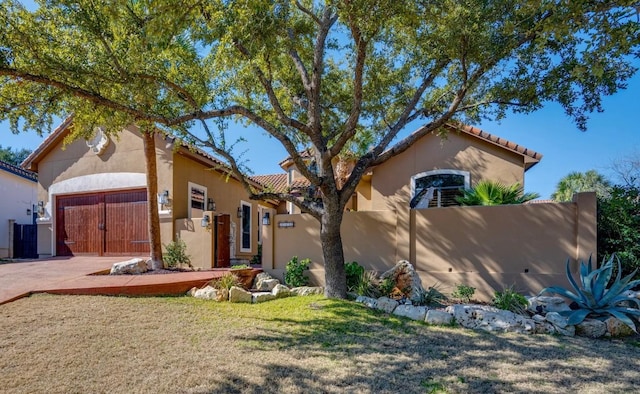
x: 380, y: 353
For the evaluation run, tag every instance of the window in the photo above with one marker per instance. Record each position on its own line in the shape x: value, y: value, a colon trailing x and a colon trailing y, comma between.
x: 245, y: 227
x: 438, y: 188
x: 197, y: 200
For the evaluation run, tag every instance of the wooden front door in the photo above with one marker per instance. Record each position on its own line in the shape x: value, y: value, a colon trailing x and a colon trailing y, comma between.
x: 113, y: 223
x: 222, y: 251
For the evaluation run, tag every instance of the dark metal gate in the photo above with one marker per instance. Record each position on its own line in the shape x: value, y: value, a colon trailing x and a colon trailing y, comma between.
x: 25, y: 241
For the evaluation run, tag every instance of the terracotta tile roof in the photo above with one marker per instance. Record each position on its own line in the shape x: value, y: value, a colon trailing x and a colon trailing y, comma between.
x: 531, y: 157
x: 304, y: 154
x: 275, y: 182
x: 8, y: 167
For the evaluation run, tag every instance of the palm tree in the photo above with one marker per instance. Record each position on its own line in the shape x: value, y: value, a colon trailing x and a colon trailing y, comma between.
x: 576, y: 182
x: 495, y: 193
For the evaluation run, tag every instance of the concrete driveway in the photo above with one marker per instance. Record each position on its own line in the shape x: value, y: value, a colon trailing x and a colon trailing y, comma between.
x: 71, y: 275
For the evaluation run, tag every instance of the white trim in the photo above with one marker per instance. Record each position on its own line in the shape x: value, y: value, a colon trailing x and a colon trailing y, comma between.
x: 467, y: 178
x: 250, y: 218
x: 191, y: 185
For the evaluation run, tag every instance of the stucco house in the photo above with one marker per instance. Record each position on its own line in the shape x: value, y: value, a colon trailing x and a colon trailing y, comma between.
x: 431, y: 173
x: 94, y: 200
x: 18, y: 189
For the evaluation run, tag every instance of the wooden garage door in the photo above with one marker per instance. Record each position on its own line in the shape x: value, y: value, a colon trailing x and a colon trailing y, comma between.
x: 112, y: 223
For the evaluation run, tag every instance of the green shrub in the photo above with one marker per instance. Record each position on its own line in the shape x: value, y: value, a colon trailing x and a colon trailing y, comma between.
x: 386, y: 287
x: 226, y: 281
x: 257, y: 258
x: 463, y: 292
x: 239, y: 266
x: 430, y: 296
x: 368, y: 285
x: 294, y: 272
x: 510, y: 300
x: 354, y: 271
x: 595, y: 299
x: 176, y: 254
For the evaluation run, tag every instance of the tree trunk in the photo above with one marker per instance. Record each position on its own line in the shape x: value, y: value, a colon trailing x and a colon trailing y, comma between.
x: 148, y: 138
x: 334, y: 274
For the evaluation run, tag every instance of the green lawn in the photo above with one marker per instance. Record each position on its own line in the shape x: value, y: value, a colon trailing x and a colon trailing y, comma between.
x: 67, y: 344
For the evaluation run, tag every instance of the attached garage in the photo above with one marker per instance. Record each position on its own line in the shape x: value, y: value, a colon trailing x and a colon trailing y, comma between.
x: 102, y: 224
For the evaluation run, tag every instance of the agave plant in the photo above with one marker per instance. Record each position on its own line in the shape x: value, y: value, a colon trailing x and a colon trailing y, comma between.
x: 595, y: 299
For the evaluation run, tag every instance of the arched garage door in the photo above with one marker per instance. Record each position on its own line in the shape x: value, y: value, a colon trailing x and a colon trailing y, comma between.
x: 109, y: 223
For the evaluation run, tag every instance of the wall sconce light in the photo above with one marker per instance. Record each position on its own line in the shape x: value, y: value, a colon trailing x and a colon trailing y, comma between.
x: 163, y: 198
x: 28, y: 211
x: 211, y: 205
x: 205, y: 221
x: 239, y: 213
x: 266, y: 219
x: 40, y: 208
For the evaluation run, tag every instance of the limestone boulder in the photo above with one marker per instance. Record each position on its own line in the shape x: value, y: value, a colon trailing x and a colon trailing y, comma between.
x: 262, y: 296
x: 591, y: 328
x: 438, y: 317
x: 280, y: 291
x: 405, y: 278
x: 410, y: 311
x: 129, y: 267
x: 368, y: 301
x: 238, y: 294
x: 307, y: 290
x: 617, y: 328
x: 487, y: 318
x: 543, y: 305
x: 386, y: 304
x: 266, y: 284
x: 223, y: 295
x: 556, y: 319
x: 544, y: 327
x: 206, y: 293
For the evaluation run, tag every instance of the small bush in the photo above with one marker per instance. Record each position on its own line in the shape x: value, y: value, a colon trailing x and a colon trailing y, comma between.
x: 368, y: 285
x: 353, y: 271
x: 294, y: 272
x: 176, y: 254
x: 463, y: 292
x: 240, y: 267
x: 226, y: 281
x: 510, y: 300
x: 386, y: 287
x: 430, y: 296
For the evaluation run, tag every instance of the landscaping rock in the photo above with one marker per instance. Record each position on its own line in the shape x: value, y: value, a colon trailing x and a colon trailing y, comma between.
x: 206, y: 293
x: 368, y: 301
x: 259, y: 297
x: 544, y: 327
x: 129, y: 267
x: 438, y: 317
x: 386, y: 304
x: 591, y: 328
x: 406, y: 279
x: 280, y: 291
x: 543, y: 305
x: 260, y: 277
x: 223, y: 295
x: 266, y: 284
x: 487, y: 318
x: 617, y: 328
x: 307, y: 290
x: 568, y: 331
x: 410, y: 311
x: 556, y: 319
x: 238, y: 294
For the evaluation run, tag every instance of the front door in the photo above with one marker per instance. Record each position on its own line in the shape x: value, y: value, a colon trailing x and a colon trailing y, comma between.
x: 222, y: 250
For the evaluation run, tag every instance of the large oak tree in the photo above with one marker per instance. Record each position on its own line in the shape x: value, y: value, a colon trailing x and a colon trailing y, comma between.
x: 334, y: 76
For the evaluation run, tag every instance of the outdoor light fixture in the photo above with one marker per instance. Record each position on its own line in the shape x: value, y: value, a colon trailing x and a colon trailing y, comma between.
x: 211, y: 205
x: 240, y: 212
x: 28, y: 211
x: 205, y: 221
x: 163, y: 198
x: 40, y: 208
x: 266, y: 219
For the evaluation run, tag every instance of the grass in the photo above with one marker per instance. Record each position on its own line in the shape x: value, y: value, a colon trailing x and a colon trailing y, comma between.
x: 67, y: 344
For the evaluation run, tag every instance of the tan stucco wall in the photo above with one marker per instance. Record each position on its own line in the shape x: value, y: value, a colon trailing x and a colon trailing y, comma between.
x: 490, y: 248
x: 391, y: 181
x: 225, y: 191
x: 199, y: 240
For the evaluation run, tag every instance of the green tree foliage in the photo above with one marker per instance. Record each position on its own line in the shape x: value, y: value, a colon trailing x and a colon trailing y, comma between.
x: 576, y: 182
x: 495, y: 193
x: 332, y: 76
x: 619, y: 227
x: 13, y: 156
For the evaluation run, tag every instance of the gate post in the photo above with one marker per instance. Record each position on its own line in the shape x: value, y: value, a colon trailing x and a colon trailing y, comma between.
x: 11, y: 222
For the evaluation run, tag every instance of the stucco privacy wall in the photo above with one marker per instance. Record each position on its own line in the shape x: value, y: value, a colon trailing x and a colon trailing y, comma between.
x: 17, y: 196
x: 489, y: 248
x: 458, y: 151
x: 75, y: 169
